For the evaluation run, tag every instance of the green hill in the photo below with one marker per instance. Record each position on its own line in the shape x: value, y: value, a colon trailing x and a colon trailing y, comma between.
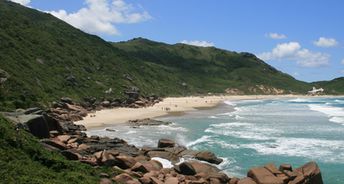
x: 43, y: 58
x: 335, y: 86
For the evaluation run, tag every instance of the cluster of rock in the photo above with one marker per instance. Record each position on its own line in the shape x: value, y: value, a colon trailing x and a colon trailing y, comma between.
x: 306, y: 174
x: 67, y: 110
x: 144, y: 165
x: 146, y: 122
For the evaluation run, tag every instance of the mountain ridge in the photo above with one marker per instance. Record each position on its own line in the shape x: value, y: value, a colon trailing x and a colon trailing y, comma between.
x: 44, y: 58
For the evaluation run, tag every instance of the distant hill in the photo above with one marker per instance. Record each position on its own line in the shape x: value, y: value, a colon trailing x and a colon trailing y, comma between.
x: 209, y: 69
x: 43, y: 58
x: 335, y: 86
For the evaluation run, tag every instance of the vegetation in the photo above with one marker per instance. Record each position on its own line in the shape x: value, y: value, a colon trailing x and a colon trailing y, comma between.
x: 335, y: 86
x: 24, y: 160
x: 44, y: 59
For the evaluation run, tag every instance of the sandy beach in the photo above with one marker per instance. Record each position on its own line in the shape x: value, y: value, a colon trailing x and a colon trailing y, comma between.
x: 169, y: 106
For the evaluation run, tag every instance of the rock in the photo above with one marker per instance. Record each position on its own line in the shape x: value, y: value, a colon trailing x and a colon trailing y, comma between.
x: 171, y: 180
x: 91, y: 160
x: 234, y: 180
x: 66, y: 100
x: 72, y: 140
x: 284, y: 167
x: 300, y: 179
x: 64, y: 138
x: 108, y: 159
x: 38, y: 125
x: 55, y: 143
x: 82, y: 147
x: 263, y: 176
x: 200, y: 167
x: 104, y: 175
x: 123, y: 178
x: 163, y: 154
x: 110, y: 130
x: 291, y: 175
x: 156, y: 180
x: 147, y: 122
x: 139, y: 167
x: 166, y: 143
x: 145, y: 180
x: 125, y: 162
x: 272, y: 168
x: 221, y: 177
x: 141, y: 158
x: 208, y: 157
x: 54, y: 133
x: 148, y: 166
x: 34, y: 110
x: 105, y: 181
x: 133, y: 92
x: 246, y: 181
x: 70, y: 155
x: 185, y: 168
x: 311, y: 172
x: 105, y: 103
x: 283, y: 177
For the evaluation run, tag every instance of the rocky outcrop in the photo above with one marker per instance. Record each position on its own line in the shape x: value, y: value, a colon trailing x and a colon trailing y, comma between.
x: 35, y: 121
x: 269, y: 174
x: 138, y: 165
x: 166, y: 143
x: 147, y: 122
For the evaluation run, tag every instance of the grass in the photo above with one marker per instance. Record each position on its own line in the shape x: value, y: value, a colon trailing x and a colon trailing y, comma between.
x: 24, y: 160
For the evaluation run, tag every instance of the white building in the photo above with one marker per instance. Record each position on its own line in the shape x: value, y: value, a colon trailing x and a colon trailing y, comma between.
x: 315, y: 91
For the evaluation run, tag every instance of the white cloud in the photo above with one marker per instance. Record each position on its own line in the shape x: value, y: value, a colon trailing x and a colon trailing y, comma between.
x: 198, y: 43
x: 342, y: 62
x: 325, y: 42
x: 101, y: 16
x: 276, y: 36
x: 294, y: 52
x: 22, y: 2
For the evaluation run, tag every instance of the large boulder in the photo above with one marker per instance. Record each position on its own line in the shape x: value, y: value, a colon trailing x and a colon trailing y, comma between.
x: 125, y: 162
x: 262, y: 175
x: 246, y: 181
x: 148, y: 166
x: 70, y: 155
x: 166, y: 143
x: 208, y: 157
x: 201, y: 167
x: 125, y: 178
x: 55, y: 143
x: 311, y: 173
x: 38, y: 125
x: 185, y: 168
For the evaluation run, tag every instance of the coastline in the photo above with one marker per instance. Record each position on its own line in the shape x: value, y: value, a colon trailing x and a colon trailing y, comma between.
x: 170, y: 106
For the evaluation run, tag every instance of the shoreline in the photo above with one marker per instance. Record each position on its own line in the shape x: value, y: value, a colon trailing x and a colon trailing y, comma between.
x: 170, y: 106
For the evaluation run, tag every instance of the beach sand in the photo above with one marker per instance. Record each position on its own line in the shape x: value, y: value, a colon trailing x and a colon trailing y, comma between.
x: 169, y: 106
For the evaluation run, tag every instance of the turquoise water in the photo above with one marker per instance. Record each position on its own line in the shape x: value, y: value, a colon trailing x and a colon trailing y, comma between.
x: 291, y: 131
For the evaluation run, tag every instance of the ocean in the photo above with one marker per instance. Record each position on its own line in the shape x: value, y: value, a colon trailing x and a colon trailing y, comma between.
x: 249, y: 133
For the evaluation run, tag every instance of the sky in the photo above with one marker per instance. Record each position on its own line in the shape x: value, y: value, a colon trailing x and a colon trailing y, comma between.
x: 304, y: 38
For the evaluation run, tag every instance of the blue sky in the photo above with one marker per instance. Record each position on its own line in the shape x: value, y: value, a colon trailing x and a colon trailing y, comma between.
x: 302, y: 38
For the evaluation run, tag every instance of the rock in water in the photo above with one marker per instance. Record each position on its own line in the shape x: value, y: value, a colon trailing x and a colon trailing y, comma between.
x: 263, y: 176
x: 311, y: 173
x: 208, y: 157
x: 166, y: 143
